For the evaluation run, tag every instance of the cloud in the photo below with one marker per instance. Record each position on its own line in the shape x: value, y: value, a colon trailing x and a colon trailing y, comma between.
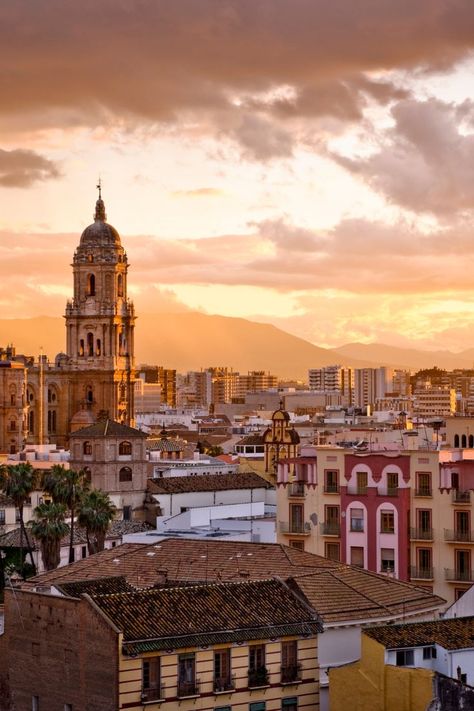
x: 426, y: 160
x: 21, y: 168
x: 156, y: 60
x: 198, y: 193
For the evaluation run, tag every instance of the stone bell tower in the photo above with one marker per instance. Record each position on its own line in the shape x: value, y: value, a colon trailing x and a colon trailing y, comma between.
x: 100, y: 323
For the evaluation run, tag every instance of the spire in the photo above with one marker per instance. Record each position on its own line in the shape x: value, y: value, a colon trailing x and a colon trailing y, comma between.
x: 99, y: 206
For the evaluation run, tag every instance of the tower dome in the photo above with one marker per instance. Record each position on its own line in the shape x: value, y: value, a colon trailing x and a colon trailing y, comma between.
x: 100, y: 232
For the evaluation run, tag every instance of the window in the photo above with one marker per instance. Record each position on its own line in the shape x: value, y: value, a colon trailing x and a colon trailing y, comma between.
x: 405, y: 658
x: 187, y: 683
x: 67, y: 707
x: 2, y: 517
x: 462, y: 525
x: 424, y: 562
x: 257, y: 706
x: 119, y: 285
x: 423, y: 481
x: 387, y: 522
x: 332, y: 551
x: 392, y: 483
x: 81, y: 347
x: 90, y: 345
x: 87, y: 474
x: 429, y: 652
x: 87, y: 448
x: 331, y: 482
x: 357, y: 520
x: 258, y: 674
x: 151, y: 687
x: 98, y: 349
x: 222, y: 708
x: 357, y: 556
x: 84, y: 551
x: 387, y: 560
x: 296, y: 518
x: 125, y: 474
x: 35, y: 703
x: 424, y: 522
x: 463, y: 565
x: 125, y: 448
x: 290, y: 669
x: 222, y: 674
x: 289, y: 704
x: 90, y: 290
x: 331, y: 519
x: 127, y: 513
x: 361, y: 482
x: 299, y: 545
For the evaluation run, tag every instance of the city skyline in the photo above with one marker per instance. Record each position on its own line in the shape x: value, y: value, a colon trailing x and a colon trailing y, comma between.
x: 306, y: 164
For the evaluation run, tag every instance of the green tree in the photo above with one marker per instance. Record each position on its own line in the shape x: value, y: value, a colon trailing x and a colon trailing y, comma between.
x: 96, y: 512
x: 49, y: 528
x: 18, y: 481
x: 66, y: 486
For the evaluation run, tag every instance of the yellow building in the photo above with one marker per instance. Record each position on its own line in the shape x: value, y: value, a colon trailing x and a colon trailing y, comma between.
x: 250, y: 644
x: 408, y: 667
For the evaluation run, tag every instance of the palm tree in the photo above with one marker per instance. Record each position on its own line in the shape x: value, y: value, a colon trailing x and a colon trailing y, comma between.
x: 96, y: 511
x: 49, y: 527
x: 66, y: 486
x: 18, y: 481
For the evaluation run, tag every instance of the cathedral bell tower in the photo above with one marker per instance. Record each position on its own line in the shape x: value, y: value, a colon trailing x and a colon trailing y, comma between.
x: 100, y: 325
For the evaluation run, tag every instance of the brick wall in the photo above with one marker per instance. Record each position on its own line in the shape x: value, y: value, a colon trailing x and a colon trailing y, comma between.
x: 58, y: 649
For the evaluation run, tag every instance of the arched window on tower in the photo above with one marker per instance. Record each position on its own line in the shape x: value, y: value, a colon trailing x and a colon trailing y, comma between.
x: 90, y: 291
x: 89, y: 394
x: 90, y: 345
x: 125, y: 448
x: 120, y: 285
x: 98, y: 348
x: 125, y: 474
x: 81, y: 347
x: 52, y: 418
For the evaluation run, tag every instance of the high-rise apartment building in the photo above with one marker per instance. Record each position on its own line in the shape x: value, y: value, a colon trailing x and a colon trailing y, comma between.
x: 333, y: 378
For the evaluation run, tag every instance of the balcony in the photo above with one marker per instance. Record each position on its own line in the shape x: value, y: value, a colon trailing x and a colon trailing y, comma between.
x: 459, y: 576
x: 424, y: 573
x: 423, y: 491
x: 357, y: 490
x: 188, y: 688
x: 461, y: 497
x: 291, y: 674
x: 224, y: 683
x: 331, y: 488
x: 258, y: 677
x: 296, y: 490
x: 458, y: 536
x: 421, y: 534
x: 300, y: 528
x: 153, y: 693
x: 332, y: 528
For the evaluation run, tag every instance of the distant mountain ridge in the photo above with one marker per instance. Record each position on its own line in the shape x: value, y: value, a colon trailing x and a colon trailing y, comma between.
x: 192, y: 340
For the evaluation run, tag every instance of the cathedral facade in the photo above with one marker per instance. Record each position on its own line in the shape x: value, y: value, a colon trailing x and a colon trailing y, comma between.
x: 94, y: 378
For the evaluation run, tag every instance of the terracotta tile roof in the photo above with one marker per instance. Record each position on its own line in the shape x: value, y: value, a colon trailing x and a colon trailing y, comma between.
x: 207, y: 482
x: 208, y: 613
x: 102, y: 586
x: 165, y: 445
x: 340, y: 593
x: 116, y: 531
x: 108, y: 428
x: 453, y: 633
x: 251, y: 439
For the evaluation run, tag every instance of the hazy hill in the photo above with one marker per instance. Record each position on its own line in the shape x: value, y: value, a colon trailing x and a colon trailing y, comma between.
x: 406, y: 357
x: 188, y: 341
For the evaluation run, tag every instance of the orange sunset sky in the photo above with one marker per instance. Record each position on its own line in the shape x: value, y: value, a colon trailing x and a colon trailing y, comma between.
x: 308, y: 163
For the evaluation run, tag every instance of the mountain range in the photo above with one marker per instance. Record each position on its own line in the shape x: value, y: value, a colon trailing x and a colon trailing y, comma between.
x: 192, y: 340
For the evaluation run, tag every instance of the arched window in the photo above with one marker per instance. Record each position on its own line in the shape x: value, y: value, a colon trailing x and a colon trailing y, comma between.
x: 125, y: 448
x: 125, y: 474
x: 471, y: 441
x: 87, y: 448
x: 52, y: 421
x: 463, y: 441
x: 87, y: 474
x: 81, y: 347
x: 90, y: 345
x: 90, y: 291
x: 98, y: 347
x: 89, y: 394
x: 456, y: 441
x: 31, y: 422
x: 13, y: 425
x: 120, y: 285
x: 52, y: 398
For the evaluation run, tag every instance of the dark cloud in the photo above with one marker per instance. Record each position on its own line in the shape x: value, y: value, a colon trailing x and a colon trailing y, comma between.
x: 92, y: 62
x: 426, y: 161
x: 21, y: 168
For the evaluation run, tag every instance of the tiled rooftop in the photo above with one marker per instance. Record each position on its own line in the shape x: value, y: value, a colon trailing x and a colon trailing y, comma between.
x: 116, y: 530
x: 453, y: 633
x: 207, y: 613
x: 108, y: 428
x: 207, y: 482
x: 340, y: 593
